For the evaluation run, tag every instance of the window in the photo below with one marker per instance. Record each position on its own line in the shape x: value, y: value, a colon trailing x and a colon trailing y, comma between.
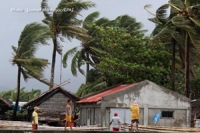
x: 167, y: 114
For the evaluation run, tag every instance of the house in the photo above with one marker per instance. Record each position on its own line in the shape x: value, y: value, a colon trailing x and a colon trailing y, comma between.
x: 5, y: 105
x: 195, y: 115
x: 98, y: 108
x: 52, y: 104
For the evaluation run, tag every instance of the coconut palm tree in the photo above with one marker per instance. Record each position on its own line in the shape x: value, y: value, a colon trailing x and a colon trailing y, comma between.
x: 83, y: 56
x: 23, y: 55
x: 64, y: 24
x: 184, y: 25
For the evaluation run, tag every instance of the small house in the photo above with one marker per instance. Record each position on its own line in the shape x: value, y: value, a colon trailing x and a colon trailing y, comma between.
x: 52, y: 104
x: 195, y: 115
x: 98, y: 108
x: 5, y: 105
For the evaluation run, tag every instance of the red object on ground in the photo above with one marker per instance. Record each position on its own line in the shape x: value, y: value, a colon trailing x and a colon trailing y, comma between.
x: 115, y: 129
x: 34, y: 127
x: 98, y: 97
x: 71, y: 123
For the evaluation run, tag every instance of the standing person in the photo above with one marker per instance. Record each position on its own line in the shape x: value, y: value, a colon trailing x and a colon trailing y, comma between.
x: 35, y: 118
x: 116, y: 122
x: 68, y: 114
x: 135, y: 114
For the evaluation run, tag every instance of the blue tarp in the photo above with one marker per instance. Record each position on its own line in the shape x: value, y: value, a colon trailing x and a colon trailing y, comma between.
x: 18, y: 108
x: 156, y: 117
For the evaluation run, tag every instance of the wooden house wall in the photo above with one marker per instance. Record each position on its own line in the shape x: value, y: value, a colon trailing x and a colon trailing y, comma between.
x: 54, y: 105
x: 3, y: 108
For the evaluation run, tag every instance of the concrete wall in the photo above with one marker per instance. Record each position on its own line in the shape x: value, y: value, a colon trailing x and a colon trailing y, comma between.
x: 152, y: 98
x: 91, y: 114
x: 178, y: 120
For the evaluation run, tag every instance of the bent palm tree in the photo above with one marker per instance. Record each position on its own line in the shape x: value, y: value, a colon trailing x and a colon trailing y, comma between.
x: 184, y: 27
x: 64, y: 24
x: 23, y: 56
x: 82, y: 56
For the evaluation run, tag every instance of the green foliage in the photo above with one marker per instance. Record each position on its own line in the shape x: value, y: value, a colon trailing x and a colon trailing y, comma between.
x: 25, y: 95
x: 21, y: 116
x: 131, y: 59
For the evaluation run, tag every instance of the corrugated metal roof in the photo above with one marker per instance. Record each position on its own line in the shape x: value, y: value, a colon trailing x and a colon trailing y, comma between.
x: 99, y: 96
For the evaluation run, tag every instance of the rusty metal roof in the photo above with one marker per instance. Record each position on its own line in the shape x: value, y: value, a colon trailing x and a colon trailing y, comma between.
x: 98, y: 97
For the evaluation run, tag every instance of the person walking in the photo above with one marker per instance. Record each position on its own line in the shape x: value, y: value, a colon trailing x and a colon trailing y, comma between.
x: 68, y: 114
x: 35, y: 118
x: 135, y: 114
x: 116, y: 122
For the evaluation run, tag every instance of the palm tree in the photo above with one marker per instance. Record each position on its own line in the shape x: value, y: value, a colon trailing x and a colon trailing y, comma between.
x: 23, y: 56
x: 161, y: 19
x: 64, y: 24
x: 82, y: 56
x: 184, y: 25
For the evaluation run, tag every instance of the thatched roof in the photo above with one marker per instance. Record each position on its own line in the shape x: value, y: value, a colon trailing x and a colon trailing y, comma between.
x: 6, y: 101
x: 46, y: 95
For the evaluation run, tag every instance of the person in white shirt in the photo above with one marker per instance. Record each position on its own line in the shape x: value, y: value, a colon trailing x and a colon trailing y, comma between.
x: 116, y: 122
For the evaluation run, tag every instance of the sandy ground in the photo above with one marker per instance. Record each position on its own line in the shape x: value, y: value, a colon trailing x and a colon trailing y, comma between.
x: 28, y: 126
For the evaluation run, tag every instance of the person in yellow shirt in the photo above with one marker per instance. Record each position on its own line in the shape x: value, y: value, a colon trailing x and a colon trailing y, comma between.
x: 35, y: 118
x: 135, y: 114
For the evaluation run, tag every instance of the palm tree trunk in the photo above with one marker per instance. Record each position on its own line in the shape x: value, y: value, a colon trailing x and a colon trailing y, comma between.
x: 18, y: 92
x: 87, y: 67
x: 187, y: 66
x: 53, y: 61
x: 173, y: 64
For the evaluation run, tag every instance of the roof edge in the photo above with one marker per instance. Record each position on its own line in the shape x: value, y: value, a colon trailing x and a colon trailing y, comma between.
x: 94, y: 93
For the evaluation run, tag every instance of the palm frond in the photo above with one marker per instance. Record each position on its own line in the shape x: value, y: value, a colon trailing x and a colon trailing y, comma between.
x: 14, y: 49
x: 89, y: 20
x: 196, y: 21
x: 146, y: 7
x: 25, y: 75
x: 76, y: 6
x: 59, y: 48
x: 183, y: 23
x: 32, y: 35
x: 161, y: 13
x: 176, y: 4
x: 70, y: 52
x: 74, y: 64
x: 45, y: 8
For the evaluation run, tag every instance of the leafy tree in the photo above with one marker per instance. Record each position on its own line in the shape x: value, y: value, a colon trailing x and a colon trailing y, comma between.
x: 23, y: 56
x: 64, y: 24
x: 129, y: 59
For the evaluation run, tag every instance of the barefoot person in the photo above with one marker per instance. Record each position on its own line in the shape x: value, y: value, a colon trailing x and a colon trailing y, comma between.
x: 68, y: 114
x: 135, y: 115
x: 35, y: 118
x: 116, y: 122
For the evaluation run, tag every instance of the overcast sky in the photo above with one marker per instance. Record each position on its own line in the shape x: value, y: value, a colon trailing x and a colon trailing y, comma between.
x: 12, y: 23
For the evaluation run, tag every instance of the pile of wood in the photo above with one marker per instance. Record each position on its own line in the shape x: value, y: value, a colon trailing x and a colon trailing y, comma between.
x: 126, y: 127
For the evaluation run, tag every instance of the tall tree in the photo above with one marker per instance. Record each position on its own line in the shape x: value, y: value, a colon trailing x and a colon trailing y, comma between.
x: 63, y: 22
x: 23, y: 56
x: 149, y: 61
x: 184, y: 27
x: 160, y: 19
